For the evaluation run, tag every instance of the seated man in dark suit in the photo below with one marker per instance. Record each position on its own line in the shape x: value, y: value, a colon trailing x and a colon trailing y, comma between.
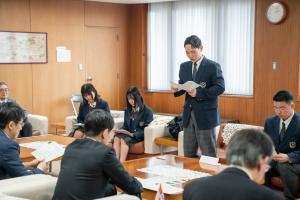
x: 89, y: 168
x: 27, y: 128
x: 248, y: 154
x: 11, y: 122
x: 284, y: 129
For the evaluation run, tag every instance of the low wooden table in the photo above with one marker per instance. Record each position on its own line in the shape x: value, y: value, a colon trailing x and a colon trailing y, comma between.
x: 58, y: 126
x: 25, y: 153
x: 181, y: 162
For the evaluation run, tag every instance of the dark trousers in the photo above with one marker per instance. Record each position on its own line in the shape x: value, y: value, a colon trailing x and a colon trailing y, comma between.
x: 289, y: 174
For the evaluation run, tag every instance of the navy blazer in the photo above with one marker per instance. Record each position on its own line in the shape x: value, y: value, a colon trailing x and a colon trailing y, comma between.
x: 231, y: 184
x: 10, y: 163
x: 205, y: 104
x: 291, y: 139
x: 137, y: 125
x: 84, y: 109
x: 90, y: 170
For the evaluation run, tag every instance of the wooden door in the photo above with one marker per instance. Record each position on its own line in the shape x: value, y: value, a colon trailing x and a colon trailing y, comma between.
x: 102, y: 62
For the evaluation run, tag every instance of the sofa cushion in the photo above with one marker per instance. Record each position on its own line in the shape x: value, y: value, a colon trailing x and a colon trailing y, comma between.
x: 161, y: 120
x: 230, y: 129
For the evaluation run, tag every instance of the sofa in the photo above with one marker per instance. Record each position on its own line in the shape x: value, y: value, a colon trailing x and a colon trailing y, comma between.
x: 226, y: 131
x: 39, y: 124
x: 37, y: 187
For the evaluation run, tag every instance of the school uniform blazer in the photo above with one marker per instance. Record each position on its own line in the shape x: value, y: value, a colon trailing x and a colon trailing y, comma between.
x: 137, y: 126
x: 84, y: 109
x: 89, y: 170
x: 205, y: 104
x: 10, y: 163
x: 291, y: 139
x: 232, y: 183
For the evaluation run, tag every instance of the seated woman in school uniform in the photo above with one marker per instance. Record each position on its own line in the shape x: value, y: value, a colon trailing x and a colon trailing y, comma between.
x: 137, y: 117
x: 91, y: 101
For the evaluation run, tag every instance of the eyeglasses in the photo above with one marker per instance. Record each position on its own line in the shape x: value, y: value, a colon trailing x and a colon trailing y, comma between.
x: 3, y: 89
x: 21, y: 123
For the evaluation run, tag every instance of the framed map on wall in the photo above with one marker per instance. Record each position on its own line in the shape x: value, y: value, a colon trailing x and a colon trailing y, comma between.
x: 23, y: 47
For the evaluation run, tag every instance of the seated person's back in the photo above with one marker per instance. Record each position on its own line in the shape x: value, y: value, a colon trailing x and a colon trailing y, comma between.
x: 248, y: 153
x: 89, y: 168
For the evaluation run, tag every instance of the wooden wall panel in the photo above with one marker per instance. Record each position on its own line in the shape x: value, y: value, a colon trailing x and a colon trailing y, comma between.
x: 15, y: 16
x: 54, y: 82
x: 48, y: 87
x: 273, y: 43
x: 112, y: 16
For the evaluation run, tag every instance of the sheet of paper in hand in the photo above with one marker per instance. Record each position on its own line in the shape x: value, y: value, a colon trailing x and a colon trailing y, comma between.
x: 187, y: 86
x: 48, y: 151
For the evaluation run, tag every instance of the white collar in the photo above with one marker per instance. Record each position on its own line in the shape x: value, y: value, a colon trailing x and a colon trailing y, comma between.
x: 3, y: 101
x: 287, y: 121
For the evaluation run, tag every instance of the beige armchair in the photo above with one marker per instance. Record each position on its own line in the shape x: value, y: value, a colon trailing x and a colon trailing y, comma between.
x: 38, y: 186
x: 157, y: 128
x: 39, y: 123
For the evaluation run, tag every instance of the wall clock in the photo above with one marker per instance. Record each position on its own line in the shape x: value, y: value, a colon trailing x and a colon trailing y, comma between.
x: 276, y: 12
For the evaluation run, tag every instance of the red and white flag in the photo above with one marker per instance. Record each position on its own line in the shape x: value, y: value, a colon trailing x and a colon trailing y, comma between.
x: 160, y: 194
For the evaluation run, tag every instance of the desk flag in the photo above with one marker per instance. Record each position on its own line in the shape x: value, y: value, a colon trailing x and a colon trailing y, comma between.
x: 159, y: 194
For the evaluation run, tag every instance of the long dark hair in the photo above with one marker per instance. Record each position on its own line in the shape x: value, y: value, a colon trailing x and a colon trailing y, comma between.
x: 134, y: 93
x: 89, y: 89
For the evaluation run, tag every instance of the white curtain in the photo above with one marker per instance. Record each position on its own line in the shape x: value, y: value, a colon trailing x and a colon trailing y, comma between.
x: 226, y: 28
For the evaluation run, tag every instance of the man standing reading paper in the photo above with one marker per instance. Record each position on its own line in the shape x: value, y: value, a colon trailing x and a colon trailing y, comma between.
x: 200, y: 114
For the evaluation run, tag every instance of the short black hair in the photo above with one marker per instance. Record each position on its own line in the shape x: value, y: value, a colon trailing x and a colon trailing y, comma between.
x: 88, y: 88
x: 97, y: 121
x: 10, y: 111
x: 194, y: 41
x: 283, y: 96
x: 135, y: 93
x: 247, y: 147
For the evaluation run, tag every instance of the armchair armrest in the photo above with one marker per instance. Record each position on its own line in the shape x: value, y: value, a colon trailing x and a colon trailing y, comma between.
x: 39, y: 123
x: 69, y: 123
x: 27, y: 186
x: 152, y: 132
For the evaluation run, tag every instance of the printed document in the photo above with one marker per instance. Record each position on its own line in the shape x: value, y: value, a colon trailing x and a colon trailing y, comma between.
x: 187, y: 86
x: 48, y: 151
x: 169, y: 176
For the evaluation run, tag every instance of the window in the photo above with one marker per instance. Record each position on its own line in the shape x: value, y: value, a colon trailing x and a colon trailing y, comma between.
x: 226, y: 29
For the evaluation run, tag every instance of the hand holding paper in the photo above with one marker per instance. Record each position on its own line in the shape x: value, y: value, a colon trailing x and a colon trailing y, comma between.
x: 187, y: 86
x: 48, y: 151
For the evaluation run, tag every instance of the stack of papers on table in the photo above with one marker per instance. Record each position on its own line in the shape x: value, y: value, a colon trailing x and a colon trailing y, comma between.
x: 170, y: 177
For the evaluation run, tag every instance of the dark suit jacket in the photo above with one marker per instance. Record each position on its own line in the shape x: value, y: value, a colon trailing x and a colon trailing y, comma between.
x: 291, y: 140
x: 231, y: 184
x: 10, y: 163
x: 84, y: 109
x: 136, y: 126
x: 205, y: 104
x: 87, y: 168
